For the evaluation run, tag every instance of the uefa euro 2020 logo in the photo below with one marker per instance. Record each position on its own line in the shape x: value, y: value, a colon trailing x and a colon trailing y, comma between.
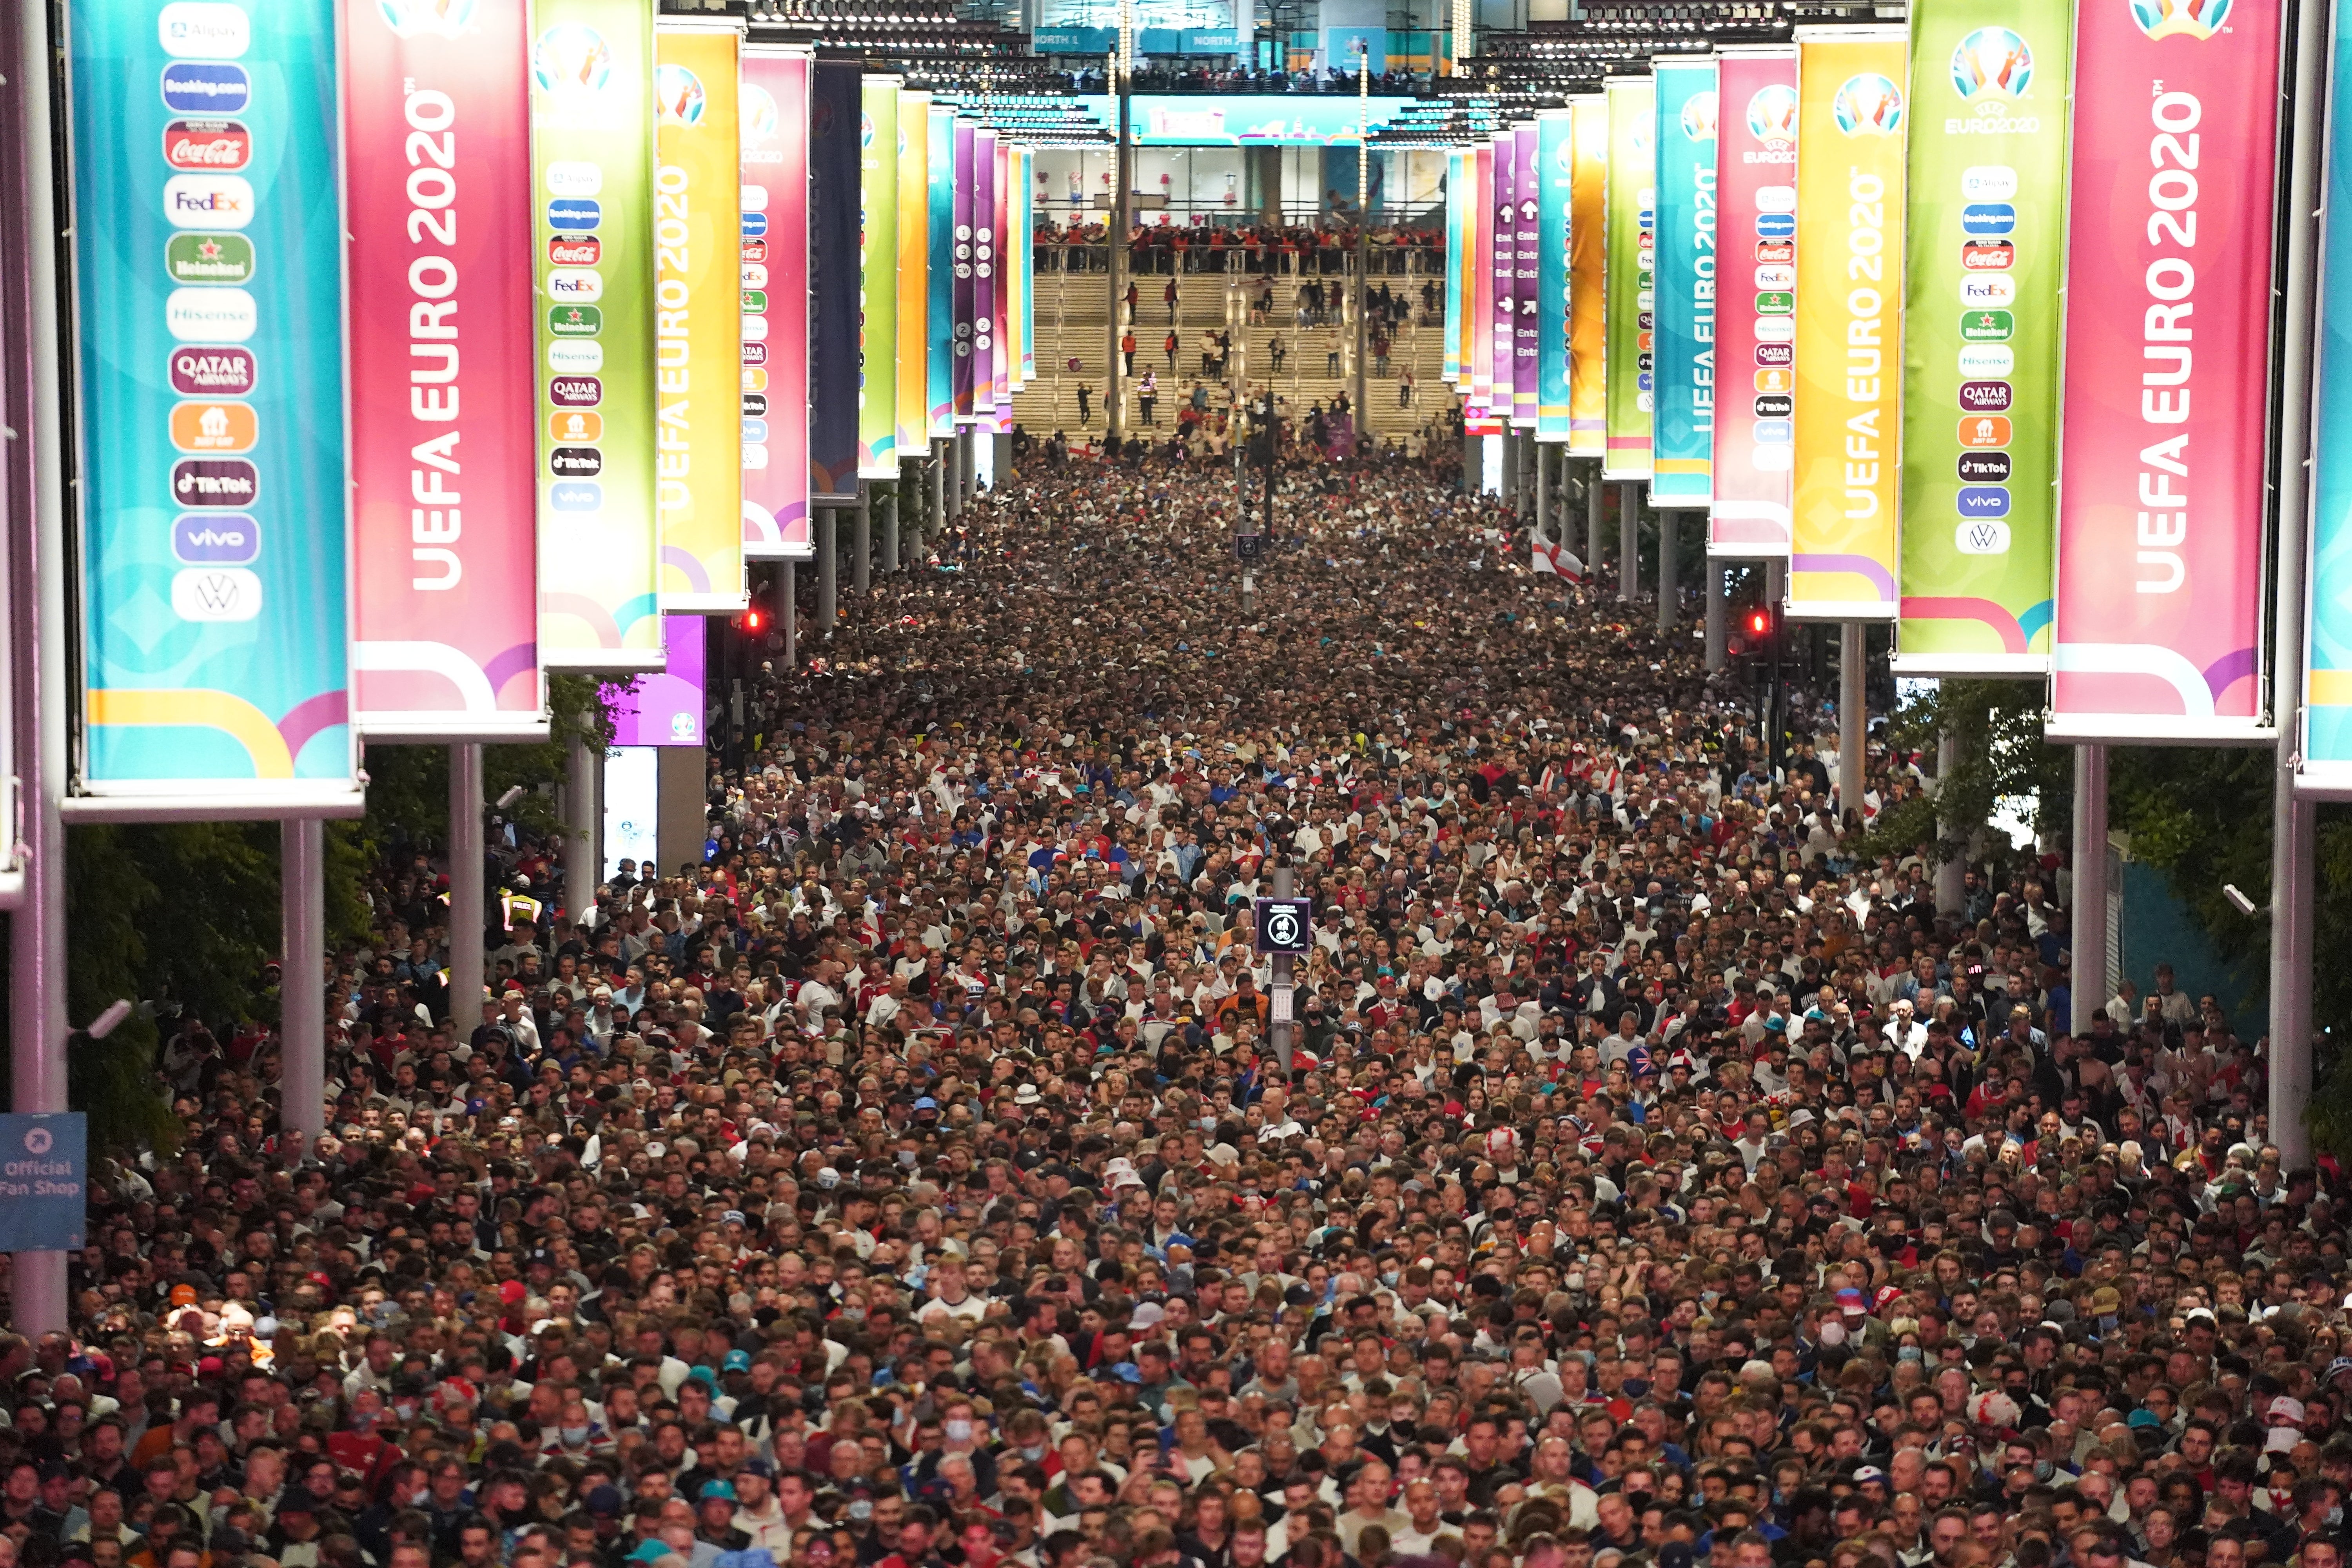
x: 1868, y: 105
x: 2198, y: 19
x: 1698, y: 117
x: 439, y: 18
x: 571, y: 57
x: 1772, y: 113
x: 1993, y: 60
x: 677, y: 95
x: 760, y: 116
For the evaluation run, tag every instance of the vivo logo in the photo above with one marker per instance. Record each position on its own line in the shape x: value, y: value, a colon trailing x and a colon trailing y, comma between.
x: 1983, y: 500
x: 215, y: 538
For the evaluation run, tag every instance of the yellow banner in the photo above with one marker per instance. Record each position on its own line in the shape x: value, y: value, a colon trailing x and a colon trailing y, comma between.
x: 1473, y: 263
x: 1848, y: 376
x: 698, y: 316
x: 914, y: 270
x: 1588, y: 251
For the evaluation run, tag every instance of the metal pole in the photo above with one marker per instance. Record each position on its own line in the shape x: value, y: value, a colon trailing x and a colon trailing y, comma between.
x: 828, y: 569
x: 967, y: 467
x: 938, y: 498
x: 2295, y: 820
x: 1284, y: 989
x: 2091, y: 980
x: 1543, y: 494
x: 1853, y: 713
x: 580, y: 864
x: 861, y: 558
x: 1510, y: 474
x: 1593, y: 504
x: 891, y: 532
x: 1629, y: 543
x: 1949, y: 870
x: 1122, y: 222
x: 302, y: 995
x: 1719, y: 612
x: 1363, y: 238
x: 1473, y: 460
x: 1670, y: 607
x: 37, y: 544
x: 467, y: 920
x: 788, y: 612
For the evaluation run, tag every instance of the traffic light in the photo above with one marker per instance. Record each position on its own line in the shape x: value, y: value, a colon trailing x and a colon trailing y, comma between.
x: 755, y: 622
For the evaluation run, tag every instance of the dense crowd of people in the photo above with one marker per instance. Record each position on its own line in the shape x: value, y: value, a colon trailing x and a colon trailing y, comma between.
x: 1653, y: 1174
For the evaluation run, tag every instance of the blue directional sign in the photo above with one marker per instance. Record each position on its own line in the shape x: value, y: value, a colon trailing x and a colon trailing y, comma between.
x: 44, y: 1182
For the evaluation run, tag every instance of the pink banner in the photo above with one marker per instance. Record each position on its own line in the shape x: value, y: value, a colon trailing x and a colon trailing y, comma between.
x: 775, y: 98
x: 1000, y: 365
x: 666, y: 709
x: 1756, y: 300
x: 438, y: 204
x: 2165, y: 422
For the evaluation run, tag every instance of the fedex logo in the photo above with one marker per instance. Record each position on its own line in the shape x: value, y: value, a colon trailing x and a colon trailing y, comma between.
x: 208, y: 201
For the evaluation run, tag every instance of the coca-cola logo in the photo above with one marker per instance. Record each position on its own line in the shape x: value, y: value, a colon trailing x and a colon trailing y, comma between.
x: 212, y: 145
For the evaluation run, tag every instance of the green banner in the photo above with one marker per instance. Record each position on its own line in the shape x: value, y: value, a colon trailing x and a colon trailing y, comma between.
x: 591, y: 115
x: 1632, y: 259
x: 1987, y: 217
x: 878, y: 287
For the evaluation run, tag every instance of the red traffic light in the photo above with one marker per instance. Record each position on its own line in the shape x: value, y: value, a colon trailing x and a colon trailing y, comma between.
x: 1759, y: 623
x: 751, y: 621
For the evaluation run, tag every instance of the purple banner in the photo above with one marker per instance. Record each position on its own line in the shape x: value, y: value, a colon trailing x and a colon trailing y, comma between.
x: 833, y: 116
x: 665, y: 709
x: 1504, y: 259
x: 962, y: 382
x: 1526, y: 328
x: 983, y: 275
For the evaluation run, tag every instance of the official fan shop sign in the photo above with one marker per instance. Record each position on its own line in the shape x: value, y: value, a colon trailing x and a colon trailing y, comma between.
x: 44, y: 1181
x: 212, y: 597
x: 443, y: 453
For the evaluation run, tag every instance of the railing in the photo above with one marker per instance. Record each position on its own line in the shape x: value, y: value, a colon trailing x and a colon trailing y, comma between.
x: 1160, y: 260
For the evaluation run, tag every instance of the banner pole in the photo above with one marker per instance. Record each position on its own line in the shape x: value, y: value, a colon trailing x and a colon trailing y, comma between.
x: 1669, y: 592
x: 1853, y: 715
x: 788, y: 612
x: 302, y: 994
x: 2089, y: 944
x: 2293, y: 819
x: 1593, y: 503
x: 1629, y: 543
x: 466, y: 902
x: 37, y: 927
x: 581, y: 864
x: 1718, y: 614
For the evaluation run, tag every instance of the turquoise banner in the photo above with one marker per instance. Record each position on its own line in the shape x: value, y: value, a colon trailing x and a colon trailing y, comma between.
x: 215, y: 532
x: 1556, y: 165
x: 1454, y: 191
x: 939, y: 355
x: 1681, y: 434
